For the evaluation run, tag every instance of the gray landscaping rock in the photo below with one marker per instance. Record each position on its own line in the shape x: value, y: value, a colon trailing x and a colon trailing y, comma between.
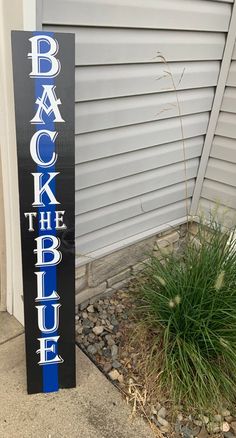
x: 189, y: 432
x: 88, y: 323
x: 92, y: 349
x: 86, y: 330
x: 114, y: 351
x: 116, y: 364
x: 83, y: 305
x: 229, y: 434
x: 106, y: 352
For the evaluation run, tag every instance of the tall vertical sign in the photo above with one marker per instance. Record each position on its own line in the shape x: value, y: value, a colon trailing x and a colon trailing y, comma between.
x: 43, y: 72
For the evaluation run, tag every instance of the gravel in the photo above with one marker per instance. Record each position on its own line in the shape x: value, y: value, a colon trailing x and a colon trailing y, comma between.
x: 101, y: 329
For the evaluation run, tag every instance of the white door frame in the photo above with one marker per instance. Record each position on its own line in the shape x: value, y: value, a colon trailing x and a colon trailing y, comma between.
x: 24, y: 17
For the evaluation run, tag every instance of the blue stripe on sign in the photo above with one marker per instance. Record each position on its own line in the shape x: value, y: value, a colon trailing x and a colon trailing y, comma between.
x: 50, y: 372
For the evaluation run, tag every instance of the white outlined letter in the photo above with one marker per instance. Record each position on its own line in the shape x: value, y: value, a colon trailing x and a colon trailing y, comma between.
x: 37, y: 57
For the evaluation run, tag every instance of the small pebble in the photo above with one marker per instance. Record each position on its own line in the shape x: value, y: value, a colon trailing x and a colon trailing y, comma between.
x: 110, y: 340
x: 107, y: 367
x: 114, y: 351
x: 92, y: 349
x: 98, y: 329
x: 165, y: 429
x: 225, y: 426
x: 225, y: 413
x: 204, y: 419
x: 162, y: 421
x: 86, y: 330
x: 88, y: 323
x: 106, y: 352
x: 189, y: 433
x: 229, y: 419
x: 180, y: 417
x: 114, y: 375
x: 116, y: 364
x: 233, y: 425
x: 218, y: 418
x: 162, y: 412
x: 203, y: 433
x: 213, y: 427
x: 229, y: 434
x: 79, y: 330
x: 198, y: 422
x: 83, y: 305
x: 90, y: 309
x: 153, y: 410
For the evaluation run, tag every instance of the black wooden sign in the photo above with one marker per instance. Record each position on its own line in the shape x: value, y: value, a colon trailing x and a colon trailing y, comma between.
x: 43, y: 67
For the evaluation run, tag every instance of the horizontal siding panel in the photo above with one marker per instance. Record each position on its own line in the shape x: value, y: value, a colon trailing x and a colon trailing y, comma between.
x: 97, y: 219
x: 111, y: 168
x: 101, y: 82
x: 157, y: 14
x: 114, y: 233
x: 226, y: 125
x: 112, y: 113
x: 224, y: 148
x: 125, y: 188
x: 111, y: 142
x: 96, y: 46
x: 229, y: 100
x: 231, y: 80
x: 221, y: 194
x: 221, y: 171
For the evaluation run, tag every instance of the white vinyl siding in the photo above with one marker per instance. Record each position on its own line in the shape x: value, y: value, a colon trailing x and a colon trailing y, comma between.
x: 219, y: 186
x: 130, y: 171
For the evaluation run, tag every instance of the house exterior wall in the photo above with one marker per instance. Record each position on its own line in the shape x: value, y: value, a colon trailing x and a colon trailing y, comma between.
x: 130, y: 120
x: 146, y: 74
x: 218, y: 190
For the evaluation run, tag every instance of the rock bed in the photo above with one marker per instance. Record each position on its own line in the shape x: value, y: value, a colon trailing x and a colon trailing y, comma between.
x: 101, y: 331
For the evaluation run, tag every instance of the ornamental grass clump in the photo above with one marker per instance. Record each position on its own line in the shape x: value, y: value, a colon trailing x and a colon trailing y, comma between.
x: 188, y: 306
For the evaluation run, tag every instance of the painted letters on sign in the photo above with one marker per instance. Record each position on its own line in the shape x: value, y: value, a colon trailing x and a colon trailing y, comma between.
x: 43, y: 67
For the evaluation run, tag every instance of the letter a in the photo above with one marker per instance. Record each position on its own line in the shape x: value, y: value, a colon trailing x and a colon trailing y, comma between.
x: 48, y: 103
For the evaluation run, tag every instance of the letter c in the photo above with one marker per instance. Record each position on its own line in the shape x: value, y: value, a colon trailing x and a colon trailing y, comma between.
x: 34, y: 147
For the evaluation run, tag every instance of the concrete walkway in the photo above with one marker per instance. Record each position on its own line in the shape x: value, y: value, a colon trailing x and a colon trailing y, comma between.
x: 94, y: 409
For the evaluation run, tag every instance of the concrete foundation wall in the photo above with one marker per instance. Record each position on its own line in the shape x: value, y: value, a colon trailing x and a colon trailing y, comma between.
x: 115, y: 270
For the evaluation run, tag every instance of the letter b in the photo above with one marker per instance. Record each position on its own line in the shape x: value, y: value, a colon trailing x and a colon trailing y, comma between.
x: 41, y: 59
x: 48, y: 255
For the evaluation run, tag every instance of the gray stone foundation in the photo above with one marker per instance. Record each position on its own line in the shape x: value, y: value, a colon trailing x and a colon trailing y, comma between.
x: 114, y: 271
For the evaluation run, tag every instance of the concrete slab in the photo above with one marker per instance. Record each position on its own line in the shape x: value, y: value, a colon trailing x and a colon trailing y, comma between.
x: 94, y: 409
x: 9, y: 327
